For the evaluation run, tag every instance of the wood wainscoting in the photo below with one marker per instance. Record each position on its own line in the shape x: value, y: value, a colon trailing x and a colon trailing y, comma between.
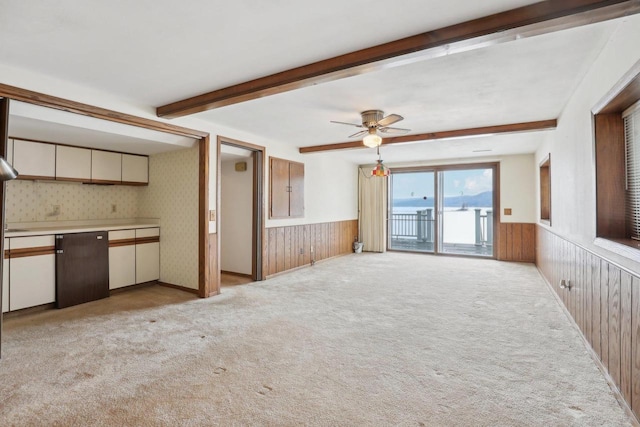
x: 516, y: 242
x: 604, y: 301
x: 299, y: 245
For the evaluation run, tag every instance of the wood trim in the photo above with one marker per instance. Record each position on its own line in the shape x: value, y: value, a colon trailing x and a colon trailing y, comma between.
x: 27, y: 252
x: 180, y: 288
x: 104, y: 182
x: 143, y: 240
x: 44, y: 100
x: 449, y: 134
x: 36, y: 178
x: 4, y: 136
x: 123, y: 242
x: 622, y: 95
x: 133, y: 183
x: 80, y: 180
x: 207, y: 284
x: 539, y: 18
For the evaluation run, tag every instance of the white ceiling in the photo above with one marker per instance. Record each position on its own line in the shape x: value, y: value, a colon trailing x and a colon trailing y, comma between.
x: 153, y: 52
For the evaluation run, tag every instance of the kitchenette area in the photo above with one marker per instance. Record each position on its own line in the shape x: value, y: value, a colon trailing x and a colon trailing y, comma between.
x: 84, y: 220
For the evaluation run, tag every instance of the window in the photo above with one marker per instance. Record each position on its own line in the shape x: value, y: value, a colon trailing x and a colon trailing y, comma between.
x: 631, y: 118
x: 545, y: 190
x: 617, y: 151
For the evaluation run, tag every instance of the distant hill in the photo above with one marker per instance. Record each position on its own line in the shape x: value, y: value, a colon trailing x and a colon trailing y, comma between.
x: 478, y: 200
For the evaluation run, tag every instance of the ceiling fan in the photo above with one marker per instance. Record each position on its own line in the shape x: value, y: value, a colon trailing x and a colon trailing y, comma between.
x: 372, y: 122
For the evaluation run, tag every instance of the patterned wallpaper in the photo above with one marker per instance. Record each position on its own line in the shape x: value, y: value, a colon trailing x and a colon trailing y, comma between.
x: 172, y: 196
x: 35, y: 200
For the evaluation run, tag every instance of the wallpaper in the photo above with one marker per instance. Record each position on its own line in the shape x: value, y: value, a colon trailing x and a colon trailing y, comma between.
x: 172, y: 196
x: 35, y: 201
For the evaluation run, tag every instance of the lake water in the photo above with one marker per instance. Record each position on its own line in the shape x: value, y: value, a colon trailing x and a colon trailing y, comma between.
x: 458, y: 226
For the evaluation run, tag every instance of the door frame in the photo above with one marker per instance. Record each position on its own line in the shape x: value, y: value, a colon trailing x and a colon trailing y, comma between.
x: 258, y: 226
x: 448, y: 167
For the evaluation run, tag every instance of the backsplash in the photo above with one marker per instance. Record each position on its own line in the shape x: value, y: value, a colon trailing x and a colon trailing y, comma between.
x: 36, y: 200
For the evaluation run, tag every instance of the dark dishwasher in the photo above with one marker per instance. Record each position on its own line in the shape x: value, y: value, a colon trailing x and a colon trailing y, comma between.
x: 82, y: 268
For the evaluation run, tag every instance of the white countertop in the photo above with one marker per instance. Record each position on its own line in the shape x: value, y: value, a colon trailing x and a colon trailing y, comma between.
x: 39, y: 229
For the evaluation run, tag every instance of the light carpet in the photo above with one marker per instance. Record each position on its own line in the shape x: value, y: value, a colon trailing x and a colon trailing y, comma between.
x: 362, y: 340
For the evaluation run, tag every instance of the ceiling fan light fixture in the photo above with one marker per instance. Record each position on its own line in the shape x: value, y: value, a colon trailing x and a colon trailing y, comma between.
x: 372, y: 140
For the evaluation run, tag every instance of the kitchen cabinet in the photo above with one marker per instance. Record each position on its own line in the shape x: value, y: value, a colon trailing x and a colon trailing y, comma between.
x: 122, y: 258
x: 135, y: 169
x: 147, y: 254
x: 106, y: 167
x: 5, y: 279
x: 32, y: 271
x: 73, y: 163
x: 34, y: 160
x: 286, y: 188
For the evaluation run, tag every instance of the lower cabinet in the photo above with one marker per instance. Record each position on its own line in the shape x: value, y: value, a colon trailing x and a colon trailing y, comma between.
x: 122, y: 258
x: 5, y: 279
x: 32, y: 271
x: 147, y: 254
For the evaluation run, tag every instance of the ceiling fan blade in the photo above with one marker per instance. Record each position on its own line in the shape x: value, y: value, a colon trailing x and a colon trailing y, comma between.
x: 361, y: 133
x: 393, y: 130
x: 344, y: 123
x: 389, y: 120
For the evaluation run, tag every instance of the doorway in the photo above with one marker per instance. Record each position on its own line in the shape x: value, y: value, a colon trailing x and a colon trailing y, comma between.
x: 240, y: 221
x: 444, y: 210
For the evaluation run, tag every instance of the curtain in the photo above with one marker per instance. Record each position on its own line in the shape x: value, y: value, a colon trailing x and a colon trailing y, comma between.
x: 372, y: 203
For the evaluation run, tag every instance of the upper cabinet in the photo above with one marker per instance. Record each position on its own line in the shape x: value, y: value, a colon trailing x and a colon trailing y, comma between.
x: 34, y: 160
x: 73, y: 163
x: 106, y: 167
x: 286, y: 188
x: 135, y: 169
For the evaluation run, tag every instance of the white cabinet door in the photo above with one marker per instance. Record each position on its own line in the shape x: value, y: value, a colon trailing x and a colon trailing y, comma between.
x: 5, y: 280
x: 147, y: 256
x: 32, y: 279
x: 135, y: 169
x: 122, y: 259
x: 106, y: 166
x: 73, y: 163
x: 34, y: 159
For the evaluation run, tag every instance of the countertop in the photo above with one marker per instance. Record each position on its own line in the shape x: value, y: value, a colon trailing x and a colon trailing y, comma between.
x: 22, y: 230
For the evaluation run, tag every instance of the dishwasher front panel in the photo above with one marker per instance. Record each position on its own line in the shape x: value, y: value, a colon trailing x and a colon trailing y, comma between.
x: 82, y: 268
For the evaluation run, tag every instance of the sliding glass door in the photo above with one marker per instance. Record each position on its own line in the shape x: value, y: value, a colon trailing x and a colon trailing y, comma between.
x: 445, y: 210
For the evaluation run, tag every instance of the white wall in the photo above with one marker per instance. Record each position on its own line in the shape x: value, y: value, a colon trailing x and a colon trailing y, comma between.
x: 236, y: 217
x: 573, y: 198
x: 517, y: 183
x: 172, y: 196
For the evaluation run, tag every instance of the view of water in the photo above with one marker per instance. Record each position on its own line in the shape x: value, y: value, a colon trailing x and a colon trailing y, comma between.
x: 459, y: 226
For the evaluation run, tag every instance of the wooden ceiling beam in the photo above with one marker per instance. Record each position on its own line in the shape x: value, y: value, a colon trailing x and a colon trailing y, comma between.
x: 539, y: 18
x: 450, y: 134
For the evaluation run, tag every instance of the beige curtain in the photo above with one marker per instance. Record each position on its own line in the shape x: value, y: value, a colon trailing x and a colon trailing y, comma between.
x: 372, y: 195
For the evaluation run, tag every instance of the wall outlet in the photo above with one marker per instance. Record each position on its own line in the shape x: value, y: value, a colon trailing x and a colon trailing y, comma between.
x: 114, y: 208
x: 301, y: 251
x: 212, y: 215
x: 54, y: 210
x: 507, y: 211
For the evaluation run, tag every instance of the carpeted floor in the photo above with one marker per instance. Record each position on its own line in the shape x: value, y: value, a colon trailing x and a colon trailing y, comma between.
x: 363, y: 340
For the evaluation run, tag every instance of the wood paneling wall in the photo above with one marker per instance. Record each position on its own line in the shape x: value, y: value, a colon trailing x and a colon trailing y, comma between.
x: 517, y: 242
x: 298, y: 245
x: 604, y: 301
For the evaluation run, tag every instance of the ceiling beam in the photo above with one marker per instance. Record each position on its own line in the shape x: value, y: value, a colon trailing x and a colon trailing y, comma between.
x: 539, y: 18
x: 449, y: 134
x: 44, y: 100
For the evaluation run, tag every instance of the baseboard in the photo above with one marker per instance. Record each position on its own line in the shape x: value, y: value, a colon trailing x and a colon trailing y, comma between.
x: 178, y: 287
x: 132, y: 287
x: 612, y: 385
x: 306, y: 265
x: 233, y: 273
x: 28, y: 310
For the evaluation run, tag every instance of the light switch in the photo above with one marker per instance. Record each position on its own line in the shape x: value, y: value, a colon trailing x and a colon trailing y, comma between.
x: 507, y: 211
x: 212, y: 215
